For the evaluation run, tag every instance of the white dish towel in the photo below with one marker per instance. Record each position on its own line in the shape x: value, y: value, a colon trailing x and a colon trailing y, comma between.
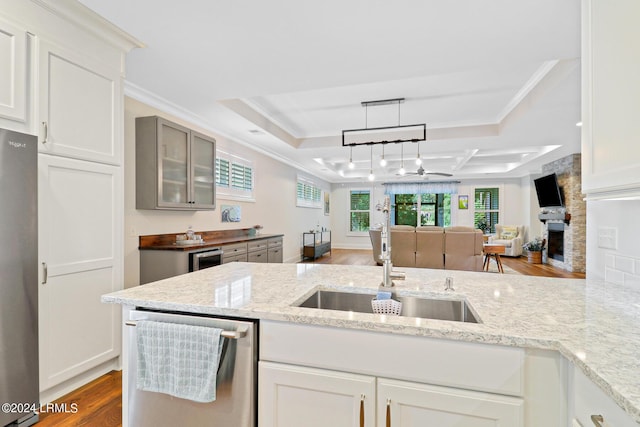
x: 177, y: 359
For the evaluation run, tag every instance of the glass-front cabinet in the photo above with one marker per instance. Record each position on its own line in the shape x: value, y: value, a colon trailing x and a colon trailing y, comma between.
x: 175, y: 166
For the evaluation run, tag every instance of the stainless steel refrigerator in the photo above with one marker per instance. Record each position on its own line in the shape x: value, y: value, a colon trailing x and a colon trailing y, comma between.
x: 18, y: 278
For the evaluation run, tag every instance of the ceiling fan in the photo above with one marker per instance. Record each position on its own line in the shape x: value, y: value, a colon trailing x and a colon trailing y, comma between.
x: 422, y: 172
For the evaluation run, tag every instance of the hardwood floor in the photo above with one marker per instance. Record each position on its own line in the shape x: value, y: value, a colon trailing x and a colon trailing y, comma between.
x: 99, y: 403
x: 520, y: 264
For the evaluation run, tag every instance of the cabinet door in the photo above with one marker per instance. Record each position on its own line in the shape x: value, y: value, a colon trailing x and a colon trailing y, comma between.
x: 405, y: 404
x: 610, y: 96
x: 274, y: 255
x: 13, y: 72
x: 173, y: 166
x: 203, y: 166
x: 80, y: 208
x: 80, y: 106
x: 294, y: 396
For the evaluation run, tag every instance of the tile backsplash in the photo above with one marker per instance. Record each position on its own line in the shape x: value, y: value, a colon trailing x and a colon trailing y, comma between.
x: 621, y: 269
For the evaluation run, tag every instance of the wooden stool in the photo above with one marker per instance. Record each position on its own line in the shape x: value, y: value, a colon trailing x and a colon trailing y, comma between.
x: 494, y: 250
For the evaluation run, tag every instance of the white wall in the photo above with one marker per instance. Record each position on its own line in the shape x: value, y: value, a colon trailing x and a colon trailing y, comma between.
x: 620, y: 265
x: 274, y: 206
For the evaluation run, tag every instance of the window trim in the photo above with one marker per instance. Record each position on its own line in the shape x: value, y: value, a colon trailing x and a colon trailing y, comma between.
x: 314, y: 188
x: 358, y: 233
x: 229, y: 192
x: 500, y: 189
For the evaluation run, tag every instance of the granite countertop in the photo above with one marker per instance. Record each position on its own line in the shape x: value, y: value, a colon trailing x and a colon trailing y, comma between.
x: 208, y: 243
x: 592, y: 323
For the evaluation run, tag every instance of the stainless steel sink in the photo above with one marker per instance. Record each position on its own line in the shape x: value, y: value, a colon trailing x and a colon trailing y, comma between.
x: 428, y: 308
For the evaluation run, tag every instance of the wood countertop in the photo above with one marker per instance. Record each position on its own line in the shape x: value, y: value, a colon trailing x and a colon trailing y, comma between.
x: 167, y: 242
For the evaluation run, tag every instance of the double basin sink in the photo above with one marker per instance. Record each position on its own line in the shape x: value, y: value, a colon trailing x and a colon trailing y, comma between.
x: 428, y: 308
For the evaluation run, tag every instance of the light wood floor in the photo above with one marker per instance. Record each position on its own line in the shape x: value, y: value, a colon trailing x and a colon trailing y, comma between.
x: 99, y: 403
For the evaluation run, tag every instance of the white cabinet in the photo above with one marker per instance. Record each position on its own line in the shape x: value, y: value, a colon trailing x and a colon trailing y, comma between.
x: 589, y: 401
x: 13, y: 74
x: 175, y: 166
x: 407, y: 404
x: 610, y: 98
x: 422, y: 381
x: 294, y: 396
x: 291, y: 396
x: 80, y: 229
x: 80, y: 105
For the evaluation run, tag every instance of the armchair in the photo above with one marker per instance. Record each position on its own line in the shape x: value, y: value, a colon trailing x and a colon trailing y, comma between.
x: 511, y: 236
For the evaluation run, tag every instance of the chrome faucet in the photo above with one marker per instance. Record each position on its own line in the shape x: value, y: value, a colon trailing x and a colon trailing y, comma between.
x: 385, y: 244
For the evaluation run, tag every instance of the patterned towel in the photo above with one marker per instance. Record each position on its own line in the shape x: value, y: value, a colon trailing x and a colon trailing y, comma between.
x: 179, y: 360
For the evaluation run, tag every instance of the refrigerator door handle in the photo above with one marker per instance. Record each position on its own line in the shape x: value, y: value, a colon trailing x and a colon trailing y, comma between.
x: 46, y: 132
x: 45, y: 273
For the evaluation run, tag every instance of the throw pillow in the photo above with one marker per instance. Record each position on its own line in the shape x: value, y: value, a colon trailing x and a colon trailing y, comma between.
x: 509, y: 233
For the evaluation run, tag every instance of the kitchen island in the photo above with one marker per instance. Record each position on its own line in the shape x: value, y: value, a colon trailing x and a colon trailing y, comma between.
x: 592, y: 324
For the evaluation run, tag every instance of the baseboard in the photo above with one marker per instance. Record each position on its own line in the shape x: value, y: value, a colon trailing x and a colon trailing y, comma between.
x: 351, y: 246
x: 57, y: 391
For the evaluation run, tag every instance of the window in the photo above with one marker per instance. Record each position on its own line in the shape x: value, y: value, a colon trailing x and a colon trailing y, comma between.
x: 234, y: 176
x: 487, y: 209
x: 308, y: 193
x: 431, y: 208
x: 359, y: 212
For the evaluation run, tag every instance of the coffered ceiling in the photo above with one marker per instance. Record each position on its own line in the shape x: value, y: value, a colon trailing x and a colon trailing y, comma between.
x: 496, y: 82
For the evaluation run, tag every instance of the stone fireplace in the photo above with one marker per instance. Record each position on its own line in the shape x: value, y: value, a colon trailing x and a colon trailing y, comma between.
x: 565, y: 233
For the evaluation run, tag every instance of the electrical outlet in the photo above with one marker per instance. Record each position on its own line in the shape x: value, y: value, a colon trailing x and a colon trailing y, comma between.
x: 608, y: 237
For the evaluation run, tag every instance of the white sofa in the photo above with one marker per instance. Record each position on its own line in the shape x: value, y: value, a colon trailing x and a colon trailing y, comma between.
x: 505, y: 236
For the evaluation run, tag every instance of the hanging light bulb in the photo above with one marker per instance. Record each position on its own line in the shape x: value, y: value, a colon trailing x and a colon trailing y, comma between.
x: 418, y: 159
x: 383, y: 161
x: 351, y: 164
x: 402, y: 171
x: 371, y: 175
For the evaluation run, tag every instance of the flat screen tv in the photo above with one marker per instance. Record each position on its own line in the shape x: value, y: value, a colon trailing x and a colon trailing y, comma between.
x: 548, y: 191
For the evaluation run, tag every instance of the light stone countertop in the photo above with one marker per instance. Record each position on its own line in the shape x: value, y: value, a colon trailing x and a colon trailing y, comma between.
x: 592, y: 323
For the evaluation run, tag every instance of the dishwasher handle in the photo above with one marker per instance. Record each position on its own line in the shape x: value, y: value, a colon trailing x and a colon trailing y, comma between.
x: 234, y: 335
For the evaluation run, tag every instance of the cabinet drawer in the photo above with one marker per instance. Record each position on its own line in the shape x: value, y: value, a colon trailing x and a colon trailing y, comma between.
x: 257, y: 245
x: 275, y: 242
x: 590, y: 400
x: 258, y: 256
x: 235, y: 249
x: 234, y: 258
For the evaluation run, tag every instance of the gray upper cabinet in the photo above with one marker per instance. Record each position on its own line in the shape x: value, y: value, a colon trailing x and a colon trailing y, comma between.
x: 175, y: 166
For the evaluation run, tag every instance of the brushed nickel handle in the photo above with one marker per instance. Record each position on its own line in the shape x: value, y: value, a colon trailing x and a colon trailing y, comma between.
x: 46, y: 132
x: 45, y: 273
x: 597, y: 420
x: 234, y: 335
x: 362, y: 410
x: 388, y: 413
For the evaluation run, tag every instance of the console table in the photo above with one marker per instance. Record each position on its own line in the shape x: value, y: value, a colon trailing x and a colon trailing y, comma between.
x: 315, y: 244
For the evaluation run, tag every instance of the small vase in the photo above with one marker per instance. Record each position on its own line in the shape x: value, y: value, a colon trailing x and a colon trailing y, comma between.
x: 534, y: 257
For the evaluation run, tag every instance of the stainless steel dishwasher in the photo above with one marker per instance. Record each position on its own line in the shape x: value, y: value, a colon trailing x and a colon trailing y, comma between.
x: 235, y: 404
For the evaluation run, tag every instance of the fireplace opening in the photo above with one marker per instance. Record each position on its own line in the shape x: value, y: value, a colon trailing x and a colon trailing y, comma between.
x: 556, y: 241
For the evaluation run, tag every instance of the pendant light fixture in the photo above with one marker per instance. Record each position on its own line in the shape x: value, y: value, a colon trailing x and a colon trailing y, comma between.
x: 371, y: 175
x: 351, y: 164
x: 418, y: 159
x: 383, y: 161
x: 402, y: 171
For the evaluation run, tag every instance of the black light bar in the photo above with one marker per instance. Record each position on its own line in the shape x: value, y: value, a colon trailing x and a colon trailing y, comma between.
x: 384, y: 135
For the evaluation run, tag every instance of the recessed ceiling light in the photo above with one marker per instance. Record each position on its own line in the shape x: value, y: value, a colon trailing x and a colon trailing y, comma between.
x: 256, y: 132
